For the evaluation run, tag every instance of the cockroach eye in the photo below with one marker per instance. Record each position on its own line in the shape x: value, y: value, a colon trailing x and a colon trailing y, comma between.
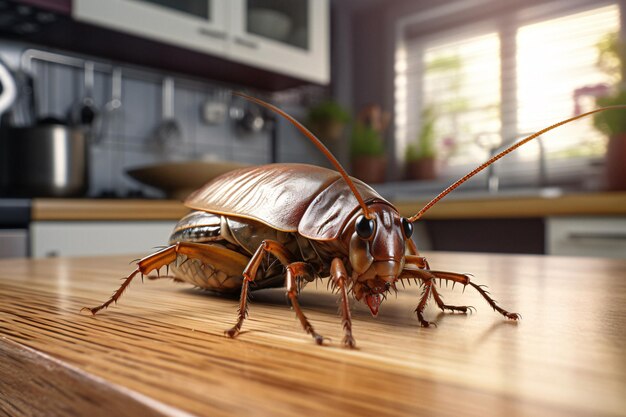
x: 364, y: 227
x: 407, y: 227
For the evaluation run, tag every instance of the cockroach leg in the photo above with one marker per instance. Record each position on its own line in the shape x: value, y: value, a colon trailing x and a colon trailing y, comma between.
x: 418, y: 261
x: 242, y: 312
x: 412, y: 247
x: 339, y: 275
x: 463, y: 279
x: 270, y: 247
x: 297, y: 271
x: 428, y: 286
x: 150, y: 263
x: 444, y: 307
x: 266, y: 247
x: 494, y: 304
x: 154, y: 278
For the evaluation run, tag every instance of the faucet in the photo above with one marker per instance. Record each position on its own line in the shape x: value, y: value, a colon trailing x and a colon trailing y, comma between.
x: 491, y: 142
x: 493, y: 181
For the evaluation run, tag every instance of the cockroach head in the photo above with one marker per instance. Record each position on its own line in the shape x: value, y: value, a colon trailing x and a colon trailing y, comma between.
x: 376, y: 252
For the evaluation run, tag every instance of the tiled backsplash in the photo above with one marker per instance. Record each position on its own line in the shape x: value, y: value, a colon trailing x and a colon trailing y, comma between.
x: 128, y: 143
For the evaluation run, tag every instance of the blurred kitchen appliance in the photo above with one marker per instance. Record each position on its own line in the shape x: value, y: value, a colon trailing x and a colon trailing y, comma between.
x: 46, y: 160
x: 8, y: 89
x: 8, y: 94
x: 14, y: 218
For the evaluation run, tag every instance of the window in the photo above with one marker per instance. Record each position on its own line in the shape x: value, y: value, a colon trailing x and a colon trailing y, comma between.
x: 510, y: 74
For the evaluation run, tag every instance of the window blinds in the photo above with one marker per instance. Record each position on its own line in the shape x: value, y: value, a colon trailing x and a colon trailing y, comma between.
x: 496, y: 80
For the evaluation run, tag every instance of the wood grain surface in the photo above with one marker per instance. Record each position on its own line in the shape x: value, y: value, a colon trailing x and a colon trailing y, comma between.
x: 161, y: 351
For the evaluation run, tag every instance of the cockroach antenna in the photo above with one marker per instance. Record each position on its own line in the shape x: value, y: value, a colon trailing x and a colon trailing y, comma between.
x: 306, y: 132
x: 508, y: 150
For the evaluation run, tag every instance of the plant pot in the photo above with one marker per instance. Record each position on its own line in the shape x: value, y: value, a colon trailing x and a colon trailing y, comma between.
x: 422, y: 169
x: 616, y: 163
x: 328, y: 131
x: 369, y: 169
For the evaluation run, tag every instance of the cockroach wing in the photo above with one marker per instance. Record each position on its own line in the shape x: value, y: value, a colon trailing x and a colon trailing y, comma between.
x: 328, y: 213
x: 277, y: 195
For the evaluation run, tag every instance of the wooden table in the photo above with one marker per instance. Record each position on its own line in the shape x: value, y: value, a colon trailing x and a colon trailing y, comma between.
x: 161, y: 350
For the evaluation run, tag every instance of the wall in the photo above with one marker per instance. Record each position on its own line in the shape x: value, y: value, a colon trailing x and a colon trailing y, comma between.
x: 128, y: 142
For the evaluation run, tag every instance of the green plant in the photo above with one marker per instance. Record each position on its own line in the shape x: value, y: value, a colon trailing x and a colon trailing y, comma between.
x: 612, y: 122
x: 425, y: 147
x: 611, y: 56
x: 366, y: 141
x: 328, y: 111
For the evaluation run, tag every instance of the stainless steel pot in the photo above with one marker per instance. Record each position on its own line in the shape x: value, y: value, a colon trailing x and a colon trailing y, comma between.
x: 47, y: 160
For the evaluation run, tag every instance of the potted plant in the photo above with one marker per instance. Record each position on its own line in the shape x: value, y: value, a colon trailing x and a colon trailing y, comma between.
x: 369, y: 162
x: 613, y: 124
x: 612, y: 53
x: 328, y: 120
x: 421, y: 156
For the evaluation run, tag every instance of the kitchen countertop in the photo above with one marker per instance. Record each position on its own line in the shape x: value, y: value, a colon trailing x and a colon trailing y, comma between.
x: 161, y: 350
x: 577, y: 204
x: 45, y: 209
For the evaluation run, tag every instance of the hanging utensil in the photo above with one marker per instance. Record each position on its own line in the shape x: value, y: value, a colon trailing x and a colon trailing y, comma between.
x: 169, y: 129
x: 84, y: 112
x: 109, y: 119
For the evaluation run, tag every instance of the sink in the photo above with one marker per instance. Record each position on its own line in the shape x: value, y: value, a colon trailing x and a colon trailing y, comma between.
x: 179, y: 179
x: 530, y: 192
x: 405, y: 191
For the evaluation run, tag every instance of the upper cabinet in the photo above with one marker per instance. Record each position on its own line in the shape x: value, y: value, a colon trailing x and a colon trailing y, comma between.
x: 289, y: 37
x: 196, y: 24
x: 282, y: 35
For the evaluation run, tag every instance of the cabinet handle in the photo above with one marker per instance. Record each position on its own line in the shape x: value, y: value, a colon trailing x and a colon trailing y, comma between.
x: 247, y: 43
x: 596, y: 236
x: 212, y: 33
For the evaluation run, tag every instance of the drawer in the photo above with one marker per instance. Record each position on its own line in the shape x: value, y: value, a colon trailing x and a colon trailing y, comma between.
x: 602, y: 237
x: 13, y: 243
x: 97, y: 238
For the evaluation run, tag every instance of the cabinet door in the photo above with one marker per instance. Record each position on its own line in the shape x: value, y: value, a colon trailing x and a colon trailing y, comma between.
x: 195, y: 24
x: 285, y: 36
x: 97, y: 238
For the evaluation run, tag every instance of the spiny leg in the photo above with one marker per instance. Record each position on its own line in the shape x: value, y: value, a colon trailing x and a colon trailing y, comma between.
x: 297, y: 271
x: 494, y: 304
x: 249, y: 274
x: 428, y: 286
x: 150, y: 263
x: 242, y: 311
x: 444, y: 307
x: 463, y: 279
x: 339, y: 275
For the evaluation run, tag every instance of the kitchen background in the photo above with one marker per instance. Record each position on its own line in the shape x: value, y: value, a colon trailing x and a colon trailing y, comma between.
x: 431, y: 91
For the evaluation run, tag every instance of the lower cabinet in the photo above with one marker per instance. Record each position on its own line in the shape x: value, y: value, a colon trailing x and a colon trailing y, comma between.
x: 487, y: 235
x: 600, y: 237
x: 75, y: 238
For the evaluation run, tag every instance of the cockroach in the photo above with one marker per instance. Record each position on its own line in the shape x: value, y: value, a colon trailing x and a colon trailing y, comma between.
x: 286, y: 225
